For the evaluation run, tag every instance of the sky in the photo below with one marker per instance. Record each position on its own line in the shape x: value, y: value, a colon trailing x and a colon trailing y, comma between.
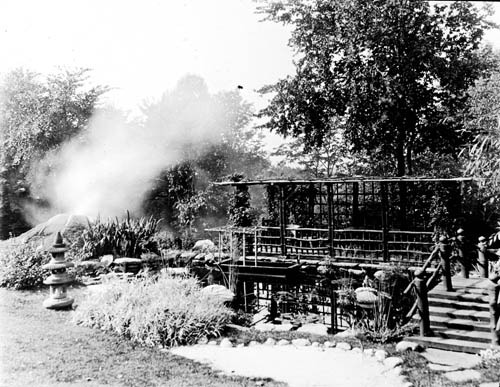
x: 141, y: 48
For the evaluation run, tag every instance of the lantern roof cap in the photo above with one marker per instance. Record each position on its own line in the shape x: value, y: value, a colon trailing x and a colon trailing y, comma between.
x: 59, y: 246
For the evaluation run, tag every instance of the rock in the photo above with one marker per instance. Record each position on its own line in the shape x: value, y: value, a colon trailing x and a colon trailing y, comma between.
x: 366, y: 296
x: 301, y: 342
x: 283, y: 327
x: 329, y: 344
x: 240, y: 345
x: 314, y: 329
x: 380, y: 354
x: 209, y: 258
x: 219, y: 292
x: 445, y: 368
x: 357, y: 350
x: 212, y: 342
x: 270, y: 341
x: 369, y: 351
x: 177, y: 271
x: 187, y: 255
x: 203, y: 340
x: 397, y: 370
x: 204, y: 245
x: 459, y: 359
x: 269, y: 327
x: 393, y: 361
x: 380, y: 275
x: 462, y: 376
x: 264, y: 327
x: 349, y: 333
x: 107, y: 260
x: 344, y: 346
x: 226, y: 343
x: 315, y: 344
x: 404, y: 346
x: 283, y: 342
x: 253, y: 343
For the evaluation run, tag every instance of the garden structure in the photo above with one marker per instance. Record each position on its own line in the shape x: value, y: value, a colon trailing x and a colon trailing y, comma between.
x: 319, y: 235
x: 360, y: 220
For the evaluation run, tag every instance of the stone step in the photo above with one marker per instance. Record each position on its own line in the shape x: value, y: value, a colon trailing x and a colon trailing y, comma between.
x: 458, y: 304
x: 471, y: 315
x: 456, y: 323
x: 459, y: 334
x: 459, y: 289
x: 450, y: 344
x: 458, y: 296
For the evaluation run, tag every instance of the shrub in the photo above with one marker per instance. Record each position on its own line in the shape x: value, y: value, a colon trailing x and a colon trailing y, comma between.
x: 152, y: 311
x: 126, y: 238
x: 21, y: 266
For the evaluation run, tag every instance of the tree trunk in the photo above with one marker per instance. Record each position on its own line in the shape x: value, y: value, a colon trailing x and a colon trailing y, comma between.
x: 409, y: 165
x: 400, y: 157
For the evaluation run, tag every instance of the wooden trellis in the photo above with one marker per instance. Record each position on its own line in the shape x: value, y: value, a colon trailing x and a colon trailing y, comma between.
x: 368, y: 220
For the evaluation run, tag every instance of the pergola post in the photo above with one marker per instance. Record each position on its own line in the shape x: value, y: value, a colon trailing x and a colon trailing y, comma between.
x: 282, y: 213
x: 311, y: 204
x: 385, y: 227
x: 355, y: 204
x: 331, y: 228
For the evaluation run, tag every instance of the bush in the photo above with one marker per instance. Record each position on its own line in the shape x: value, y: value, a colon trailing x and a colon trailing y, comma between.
x: 124, y: 238
x: 161, y: 311
x: 21, y: 266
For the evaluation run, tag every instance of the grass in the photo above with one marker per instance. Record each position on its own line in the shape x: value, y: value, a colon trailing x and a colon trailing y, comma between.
x: 43, y: 348
x: 40, y: 347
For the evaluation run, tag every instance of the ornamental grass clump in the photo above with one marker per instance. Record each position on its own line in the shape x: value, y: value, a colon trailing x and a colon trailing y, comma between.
x: 128, y: 237
x: 162, y: 311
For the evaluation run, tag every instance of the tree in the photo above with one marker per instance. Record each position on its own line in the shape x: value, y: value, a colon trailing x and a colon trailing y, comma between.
x: 37, y: 116
x: 483, y: 118
x: 397, y: 71
x: 332, y: 158
x: 482, y: 156
x: 213, y: 138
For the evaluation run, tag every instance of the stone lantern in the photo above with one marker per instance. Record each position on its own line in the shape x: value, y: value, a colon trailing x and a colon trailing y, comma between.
x: 59, y: 279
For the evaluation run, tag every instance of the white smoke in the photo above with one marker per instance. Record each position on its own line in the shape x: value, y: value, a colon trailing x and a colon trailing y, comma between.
x: 112, y: 166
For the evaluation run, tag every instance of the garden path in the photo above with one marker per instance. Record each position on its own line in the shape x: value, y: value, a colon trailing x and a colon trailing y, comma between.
x: 298, y: 366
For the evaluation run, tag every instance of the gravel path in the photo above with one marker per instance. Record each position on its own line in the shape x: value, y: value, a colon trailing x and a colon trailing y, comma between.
x: 297, y: 366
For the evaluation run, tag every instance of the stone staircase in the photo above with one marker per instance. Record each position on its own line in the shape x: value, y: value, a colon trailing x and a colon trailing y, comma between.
x: 459, y: 319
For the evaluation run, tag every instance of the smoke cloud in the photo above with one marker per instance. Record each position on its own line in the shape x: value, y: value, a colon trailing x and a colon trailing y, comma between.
x: 110, y: 168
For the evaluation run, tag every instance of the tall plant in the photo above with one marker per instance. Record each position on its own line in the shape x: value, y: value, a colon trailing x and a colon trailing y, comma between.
x: 128, y: 237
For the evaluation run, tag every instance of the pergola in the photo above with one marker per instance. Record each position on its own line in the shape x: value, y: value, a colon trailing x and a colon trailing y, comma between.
x: 361, y: 219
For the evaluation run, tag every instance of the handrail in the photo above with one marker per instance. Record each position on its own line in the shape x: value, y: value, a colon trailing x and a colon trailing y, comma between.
x: 424, y: 267
x: 429, y: 288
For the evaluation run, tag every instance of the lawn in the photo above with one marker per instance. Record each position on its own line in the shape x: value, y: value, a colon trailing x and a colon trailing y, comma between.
x: 40, y: 347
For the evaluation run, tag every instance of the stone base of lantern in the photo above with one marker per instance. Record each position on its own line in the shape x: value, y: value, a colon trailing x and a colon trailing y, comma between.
x: 58, y: 303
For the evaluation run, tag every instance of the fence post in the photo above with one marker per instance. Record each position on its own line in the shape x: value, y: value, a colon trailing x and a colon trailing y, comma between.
x: 422, y: 302
x: 445, y: 255
x: 463, y: 252
x: 333, y: 308
x: 482, y: 257
x: 492, y: 286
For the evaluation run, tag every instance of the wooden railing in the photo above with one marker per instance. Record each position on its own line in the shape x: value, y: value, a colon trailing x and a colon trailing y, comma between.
x: 347, y: 245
